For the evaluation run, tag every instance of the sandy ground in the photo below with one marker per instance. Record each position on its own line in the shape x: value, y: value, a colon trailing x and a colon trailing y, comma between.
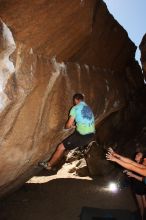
x: 62, y: 197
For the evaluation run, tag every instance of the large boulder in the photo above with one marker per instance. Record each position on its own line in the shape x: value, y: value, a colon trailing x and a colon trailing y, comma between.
x: 48, y: 51
x: 143, y: 54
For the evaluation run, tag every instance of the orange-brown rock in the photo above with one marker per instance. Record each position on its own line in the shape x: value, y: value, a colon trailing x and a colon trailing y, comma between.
x: 48, y: 51
x: 108, y: 46
x: 80, y: 31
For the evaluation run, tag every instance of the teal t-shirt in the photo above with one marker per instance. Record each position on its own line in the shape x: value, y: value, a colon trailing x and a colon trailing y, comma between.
x: 84, y: 118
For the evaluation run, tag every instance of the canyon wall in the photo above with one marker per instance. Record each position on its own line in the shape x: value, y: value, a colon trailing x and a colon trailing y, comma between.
x: 50, y: 50
x: 143, y: 54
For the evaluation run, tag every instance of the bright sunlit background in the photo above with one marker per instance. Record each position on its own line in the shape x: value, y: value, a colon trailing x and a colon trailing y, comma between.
x: 131, y: 14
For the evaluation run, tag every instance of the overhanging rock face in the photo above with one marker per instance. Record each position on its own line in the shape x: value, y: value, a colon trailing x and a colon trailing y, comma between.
x: 48, y: 51
x: 143, y: 54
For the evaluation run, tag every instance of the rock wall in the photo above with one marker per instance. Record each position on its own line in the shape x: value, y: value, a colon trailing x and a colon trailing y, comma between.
x: 70, y: 30
x: 48, y: 51
x: 143, y: 54
x: 108, y: 46
x: 53, y: 27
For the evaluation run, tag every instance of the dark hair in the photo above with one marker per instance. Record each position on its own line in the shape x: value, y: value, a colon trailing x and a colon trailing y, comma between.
x: 144, y: 154
x: 78, y: 96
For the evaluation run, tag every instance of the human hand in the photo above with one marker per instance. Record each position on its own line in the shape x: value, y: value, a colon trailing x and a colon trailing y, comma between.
x: 110, y: 150
x: 129, y: 174
x: 110, y: 156
x: 68, y: 129
x: 125, y: 171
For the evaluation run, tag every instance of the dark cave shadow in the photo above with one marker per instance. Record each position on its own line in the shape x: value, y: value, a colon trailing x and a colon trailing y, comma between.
x: 58, y: 199
x: 37, y: 201
x: 45, y: 172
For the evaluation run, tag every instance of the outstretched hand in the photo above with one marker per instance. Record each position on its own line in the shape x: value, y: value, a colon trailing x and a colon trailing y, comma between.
x: 110, y: 156
x: 110, y: 150
x: 129, y: 174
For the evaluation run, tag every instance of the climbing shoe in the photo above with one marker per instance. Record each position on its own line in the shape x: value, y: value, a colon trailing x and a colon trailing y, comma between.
x: 45, y: 165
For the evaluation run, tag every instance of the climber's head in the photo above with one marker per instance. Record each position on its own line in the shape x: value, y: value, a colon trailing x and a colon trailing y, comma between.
x: 77, y: 98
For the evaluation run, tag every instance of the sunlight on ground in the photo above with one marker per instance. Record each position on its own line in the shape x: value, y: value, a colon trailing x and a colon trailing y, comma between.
x: 62, y: 173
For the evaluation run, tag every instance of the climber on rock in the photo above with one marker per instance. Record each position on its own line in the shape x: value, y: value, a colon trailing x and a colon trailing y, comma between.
x: 82, y: 119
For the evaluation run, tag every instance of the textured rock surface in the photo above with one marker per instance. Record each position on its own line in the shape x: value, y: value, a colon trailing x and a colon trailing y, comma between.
x: 143, y: 54
x: 108, y: 45
x: 54, y: 27
x: 70, y: 30
x: 36, y: 88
